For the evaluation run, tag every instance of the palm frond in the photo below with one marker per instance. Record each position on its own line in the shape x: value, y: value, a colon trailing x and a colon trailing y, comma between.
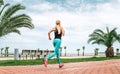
x: 99, y: 31
x: 94, y: 42
x: 97, y: 34
x: 118, y: 38
x: 91, y: 39
x: 13, y: 30
x: 9, y: 22
x: 1, y: 2
x: 114, y: 33
x: 3, y: 8
x: 99, y: 41
x: 26, y: 24
x: 11, y: 10
x: 107, y: 30
x: 18, y: 19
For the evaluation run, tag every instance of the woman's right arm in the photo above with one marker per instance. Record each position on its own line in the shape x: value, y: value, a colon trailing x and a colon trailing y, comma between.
x: 53, y: 29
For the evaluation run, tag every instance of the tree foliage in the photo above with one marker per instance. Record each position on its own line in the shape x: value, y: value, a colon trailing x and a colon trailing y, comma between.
x: 10, y: 22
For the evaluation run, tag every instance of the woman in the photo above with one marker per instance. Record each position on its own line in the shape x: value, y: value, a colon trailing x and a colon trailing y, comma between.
x: 58, y: 32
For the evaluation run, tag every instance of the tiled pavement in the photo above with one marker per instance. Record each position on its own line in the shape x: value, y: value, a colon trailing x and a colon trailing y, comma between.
x: 97, y: 67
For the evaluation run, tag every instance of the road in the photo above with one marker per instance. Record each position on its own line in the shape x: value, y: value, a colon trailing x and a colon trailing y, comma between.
x: 96, y: 67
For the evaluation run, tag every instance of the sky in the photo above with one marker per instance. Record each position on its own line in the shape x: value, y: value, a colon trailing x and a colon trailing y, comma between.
x: 78, y: 17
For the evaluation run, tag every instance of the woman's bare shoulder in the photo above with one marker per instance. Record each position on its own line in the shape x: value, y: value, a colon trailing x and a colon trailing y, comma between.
x: 62, y: 28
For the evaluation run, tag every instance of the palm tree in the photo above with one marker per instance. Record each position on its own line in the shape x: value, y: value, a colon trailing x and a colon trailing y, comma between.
x: 83, y: 49
x: 38, y: 53
x: 117, y: 51
x: 6, y: 51
x: 1, y: 51
x: 10, y: 22
x: 105, y: 38
x: 96, y: 51
x: 78, y: 51
x: 65, y: 49
x: 60, y: 51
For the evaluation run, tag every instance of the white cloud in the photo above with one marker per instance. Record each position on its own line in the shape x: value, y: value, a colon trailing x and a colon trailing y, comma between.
x: 73, y: 2
x: 43, y: 7
x: 46, y: 7
x: 19, y: 1
x: 109, y: 13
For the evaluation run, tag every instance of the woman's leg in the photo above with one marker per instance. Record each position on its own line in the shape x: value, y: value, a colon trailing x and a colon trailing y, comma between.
x: 56, y: 44
x: 58, y: 57
x: 51, y: 55
x: 57, y: 47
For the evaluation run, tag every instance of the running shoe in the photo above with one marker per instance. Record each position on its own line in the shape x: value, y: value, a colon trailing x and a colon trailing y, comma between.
x: 45, y: 63
x: 61, y: 65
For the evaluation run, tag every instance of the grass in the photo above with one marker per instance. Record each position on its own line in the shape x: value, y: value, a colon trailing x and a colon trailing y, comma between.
x: 52, y: 61
x: 20, y: 62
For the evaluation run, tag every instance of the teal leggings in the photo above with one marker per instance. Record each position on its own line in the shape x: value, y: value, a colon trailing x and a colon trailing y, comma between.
x: 56, y: 43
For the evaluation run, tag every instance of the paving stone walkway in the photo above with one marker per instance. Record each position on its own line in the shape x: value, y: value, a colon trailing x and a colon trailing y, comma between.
x: 96, y: 67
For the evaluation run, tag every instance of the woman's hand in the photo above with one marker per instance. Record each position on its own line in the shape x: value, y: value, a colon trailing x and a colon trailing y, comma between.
x: 50, y: 38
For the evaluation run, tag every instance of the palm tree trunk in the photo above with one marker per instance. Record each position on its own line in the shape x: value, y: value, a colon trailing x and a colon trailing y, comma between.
x: 83, y: 52
x: 109, y: 52
x: 60, y: 51
x: 65, y: 52
x: 78, y: 53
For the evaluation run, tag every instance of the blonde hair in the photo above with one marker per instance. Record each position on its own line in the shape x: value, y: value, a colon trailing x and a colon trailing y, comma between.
x: 57, y: 22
